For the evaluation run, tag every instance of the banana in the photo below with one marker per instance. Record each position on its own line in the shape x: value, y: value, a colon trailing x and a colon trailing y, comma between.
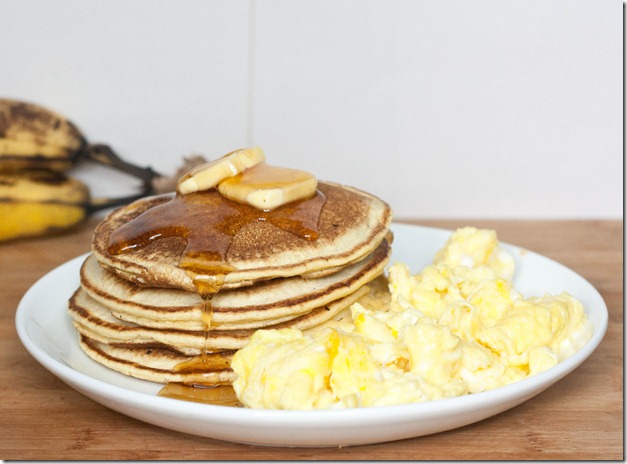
x: 38, y: 202
x: 33, y: 137
x: 37, y: 149
x: 267, y: 187
x: 208, y: 175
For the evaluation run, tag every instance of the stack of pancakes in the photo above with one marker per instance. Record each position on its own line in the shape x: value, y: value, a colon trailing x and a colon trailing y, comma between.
x: 139, y: 312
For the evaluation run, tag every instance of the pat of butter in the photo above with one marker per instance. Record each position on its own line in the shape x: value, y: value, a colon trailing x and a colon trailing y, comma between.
x: 267, y: 187
x: 208, y: 175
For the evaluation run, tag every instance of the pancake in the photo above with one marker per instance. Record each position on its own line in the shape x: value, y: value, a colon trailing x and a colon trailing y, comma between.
x: 351, y: 225
x: 267, y: 303
x: 156, y: 355
x: 96, y: 321
x: 161, y: 364
x: 139, y: 310
x: 155, y: 364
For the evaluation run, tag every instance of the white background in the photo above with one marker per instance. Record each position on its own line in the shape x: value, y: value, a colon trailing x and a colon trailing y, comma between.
x: 467, y: 108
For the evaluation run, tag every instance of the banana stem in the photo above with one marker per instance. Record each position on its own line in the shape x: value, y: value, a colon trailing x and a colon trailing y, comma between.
x: 103, y: 154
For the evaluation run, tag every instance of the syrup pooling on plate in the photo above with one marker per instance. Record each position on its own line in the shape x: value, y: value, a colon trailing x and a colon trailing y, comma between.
x: 221, y: 395
x: 209, y: 222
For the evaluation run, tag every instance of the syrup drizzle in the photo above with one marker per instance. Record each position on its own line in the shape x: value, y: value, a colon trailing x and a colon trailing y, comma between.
x: 209, y: 222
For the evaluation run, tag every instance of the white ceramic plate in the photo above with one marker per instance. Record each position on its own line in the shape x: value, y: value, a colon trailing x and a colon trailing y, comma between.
x: 47, y: 333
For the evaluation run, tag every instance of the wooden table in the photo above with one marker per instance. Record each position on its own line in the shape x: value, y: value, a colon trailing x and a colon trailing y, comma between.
x: 581, y: 417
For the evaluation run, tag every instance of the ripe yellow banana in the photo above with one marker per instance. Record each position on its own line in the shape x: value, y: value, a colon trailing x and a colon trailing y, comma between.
x: 33, y: 137
x: 38, y: 202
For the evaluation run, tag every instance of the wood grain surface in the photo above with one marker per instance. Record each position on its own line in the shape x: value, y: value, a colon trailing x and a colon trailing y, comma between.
x: 580, y: 417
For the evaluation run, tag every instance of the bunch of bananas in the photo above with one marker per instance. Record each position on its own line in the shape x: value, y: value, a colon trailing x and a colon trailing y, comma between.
x: 38, y: 148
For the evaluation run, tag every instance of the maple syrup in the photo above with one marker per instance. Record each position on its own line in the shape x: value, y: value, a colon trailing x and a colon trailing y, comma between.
x: 266, y: 176
x: 221, y: 395
x: 209, y: 222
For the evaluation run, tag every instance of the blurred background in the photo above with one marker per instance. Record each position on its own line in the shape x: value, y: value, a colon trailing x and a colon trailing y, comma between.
x: 444, y: 108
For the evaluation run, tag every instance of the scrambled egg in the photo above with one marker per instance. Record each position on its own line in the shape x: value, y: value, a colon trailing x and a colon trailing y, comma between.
x: 455, y: 328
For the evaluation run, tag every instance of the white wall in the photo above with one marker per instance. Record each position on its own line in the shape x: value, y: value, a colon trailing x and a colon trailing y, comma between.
x: 444, y: 108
